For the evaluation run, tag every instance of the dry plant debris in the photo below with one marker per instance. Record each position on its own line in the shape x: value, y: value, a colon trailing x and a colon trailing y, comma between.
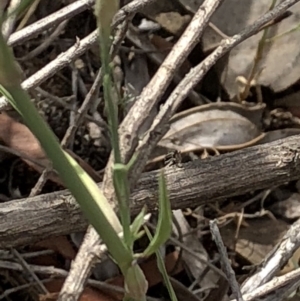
x: 186, y: 66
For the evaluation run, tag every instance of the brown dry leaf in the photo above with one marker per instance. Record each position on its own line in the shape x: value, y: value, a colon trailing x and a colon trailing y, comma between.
x: 281, y: 60
x: 217, y: 125
x: 59, y: 244
x: 89, y: 294
x: 18, y: 137
x: 257, y: 240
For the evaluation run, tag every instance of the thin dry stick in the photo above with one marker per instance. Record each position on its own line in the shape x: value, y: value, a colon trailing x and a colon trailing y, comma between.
x: 62, y: 103
x: 91, y: 96
x: 82, y: 111
x: 8, y: 25
x: 34, y: 29
x: 225, y: 261
x: 30, y: 11
x: 149, y: 98
x: 197, y: 73
x: 26, y: 267
x: 72, y: 279
x: 69, y: 135
x: 56, y: 272
x: 258, y: 56
x: 46, y: 43
x: 277, y: 289
x: 5, y: 255
x: 128, y: 9
x: 129, y: 131
x: 80, y: 47
x: 40, y: 182
x: 68, y: 12
x: 7, y: 292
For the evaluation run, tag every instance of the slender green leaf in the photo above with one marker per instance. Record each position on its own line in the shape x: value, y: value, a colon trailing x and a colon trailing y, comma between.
x: 164, y: 225
x: 10, y: 75
x: 162, y: 269
x: 122, y: 191
x: 138, y: 222
x: 7, y: 95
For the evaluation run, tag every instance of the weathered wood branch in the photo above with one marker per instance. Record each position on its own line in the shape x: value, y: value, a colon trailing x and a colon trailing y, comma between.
x: 29, y: 220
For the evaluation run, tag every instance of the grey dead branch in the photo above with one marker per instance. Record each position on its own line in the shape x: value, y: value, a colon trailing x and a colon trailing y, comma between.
x: 261, y: 162
x: 264, y: 165
x: 194, y: 184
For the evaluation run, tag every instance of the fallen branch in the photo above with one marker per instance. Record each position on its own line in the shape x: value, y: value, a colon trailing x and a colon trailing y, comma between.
x: 213, y: 179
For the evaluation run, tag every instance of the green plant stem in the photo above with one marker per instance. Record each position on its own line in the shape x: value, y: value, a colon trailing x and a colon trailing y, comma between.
x: 122, y: 191
x: 274, y: 38
x: 164, y: 224
x: 107, y: 88
x: 162, y: 269
x: 120, y: 172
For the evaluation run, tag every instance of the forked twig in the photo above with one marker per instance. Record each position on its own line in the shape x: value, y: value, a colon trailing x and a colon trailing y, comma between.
x: 236, y: 291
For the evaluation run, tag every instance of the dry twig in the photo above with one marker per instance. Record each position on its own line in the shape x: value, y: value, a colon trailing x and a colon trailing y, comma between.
x: 9, y: 23
x: 56, y: 18
x: 236, y: 291
x: 199, y: 182
x: 277, y: 289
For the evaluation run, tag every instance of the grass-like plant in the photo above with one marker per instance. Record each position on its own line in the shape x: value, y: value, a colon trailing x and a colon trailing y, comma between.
x: 86, y: 192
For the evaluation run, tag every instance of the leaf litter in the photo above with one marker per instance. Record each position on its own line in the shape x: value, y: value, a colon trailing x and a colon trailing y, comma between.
x: 206, y: 121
